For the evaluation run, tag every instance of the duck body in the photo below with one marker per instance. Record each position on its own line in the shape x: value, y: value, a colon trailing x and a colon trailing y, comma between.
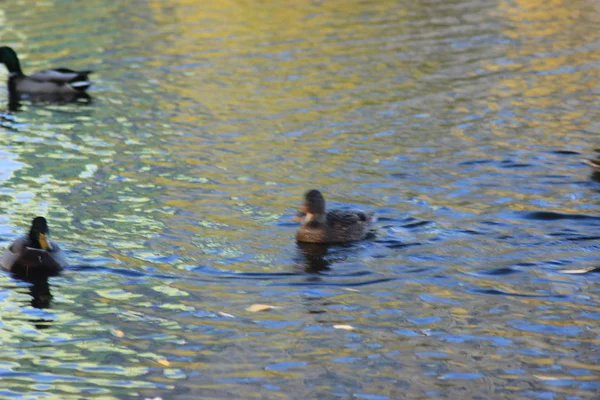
x: 58, y: 81
x: 34, y: 254
x: 335, y: 226
x: 61, y: 81
x: 339, y: 226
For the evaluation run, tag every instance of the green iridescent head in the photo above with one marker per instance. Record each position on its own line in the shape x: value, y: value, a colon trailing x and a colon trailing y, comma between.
x: 9, y: 57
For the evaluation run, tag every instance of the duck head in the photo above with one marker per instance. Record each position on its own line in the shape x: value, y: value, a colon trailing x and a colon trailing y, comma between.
x: 313, y: 208
x: 9, y: 57
x: 38, y: 234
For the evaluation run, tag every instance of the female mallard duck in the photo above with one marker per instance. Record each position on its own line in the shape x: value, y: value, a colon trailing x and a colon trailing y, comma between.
x: 59, y: 81
x: 335, y: 226
x: 34, y: 254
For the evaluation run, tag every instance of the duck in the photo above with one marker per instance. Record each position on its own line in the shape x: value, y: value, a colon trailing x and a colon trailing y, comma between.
x: 594, y: 163
x: 49, y: 82
x: 335, y: 226
x: 34, y: 254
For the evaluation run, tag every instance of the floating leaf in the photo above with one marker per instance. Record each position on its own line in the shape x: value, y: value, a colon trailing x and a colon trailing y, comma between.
x: 224, y: 314
x: 350, y: 289
x: 260, y: 307
x: 164, y: 362
x: 344, y: 327
x: 117, y: 333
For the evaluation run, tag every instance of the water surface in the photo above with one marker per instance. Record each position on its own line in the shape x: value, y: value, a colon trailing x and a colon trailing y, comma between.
x: 461, y: 123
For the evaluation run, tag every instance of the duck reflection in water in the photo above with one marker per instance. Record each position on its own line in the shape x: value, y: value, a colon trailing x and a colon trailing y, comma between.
x: 314, y: 257
x: 15, y: 97
x: 27, y: 270
x: 39, y: 290
x: 41, y: 297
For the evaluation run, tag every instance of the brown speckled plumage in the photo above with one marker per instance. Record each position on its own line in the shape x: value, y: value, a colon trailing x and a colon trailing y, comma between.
x: 335, y: 226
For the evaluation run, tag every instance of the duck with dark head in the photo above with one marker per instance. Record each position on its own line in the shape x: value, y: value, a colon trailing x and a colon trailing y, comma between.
x: 335, y: 226
x: 34, y: 254
x: 49, y: 84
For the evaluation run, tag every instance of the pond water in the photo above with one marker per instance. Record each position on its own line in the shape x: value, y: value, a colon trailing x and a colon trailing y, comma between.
x: 461, y: 123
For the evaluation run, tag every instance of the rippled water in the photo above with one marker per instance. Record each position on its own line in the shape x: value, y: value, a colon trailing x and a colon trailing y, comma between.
x: 461, y: 123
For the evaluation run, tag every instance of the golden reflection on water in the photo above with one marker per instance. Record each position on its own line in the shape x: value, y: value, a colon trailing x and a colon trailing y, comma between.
x: 210, y: 120
x: 545, y: 96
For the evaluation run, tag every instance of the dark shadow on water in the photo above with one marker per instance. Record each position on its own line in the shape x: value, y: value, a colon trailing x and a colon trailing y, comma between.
x: 41, y: 297
x: 40, y: 289
x: 313, y: 257
x: 15, y: 98
x: 36, y: 267
x: 317, y: 257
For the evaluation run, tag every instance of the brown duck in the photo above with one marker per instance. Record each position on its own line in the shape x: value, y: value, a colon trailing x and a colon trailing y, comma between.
x: 335, y: 226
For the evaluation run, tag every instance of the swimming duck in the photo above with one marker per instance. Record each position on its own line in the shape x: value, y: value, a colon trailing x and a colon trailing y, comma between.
x: 335, y: 226
x: 35, y: 253
x: 594, y: 163
x: 58, y: 81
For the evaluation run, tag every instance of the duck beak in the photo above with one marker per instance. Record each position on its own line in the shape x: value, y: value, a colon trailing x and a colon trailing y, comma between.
x: 301, y: 214
x: 299, y: 217
x: 43, y: 239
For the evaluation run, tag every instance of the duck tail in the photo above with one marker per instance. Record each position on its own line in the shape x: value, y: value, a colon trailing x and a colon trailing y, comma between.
x: 81, y: 82
x: 81, y: 86
x: 78, y: 80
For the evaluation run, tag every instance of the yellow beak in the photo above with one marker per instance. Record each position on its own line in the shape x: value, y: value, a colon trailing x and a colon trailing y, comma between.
x: 44, y: 241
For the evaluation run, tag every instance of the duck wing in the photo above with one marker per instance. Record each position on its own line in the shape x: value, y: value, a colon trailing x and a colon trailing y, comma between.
x: 14, y: 251
x: 35, y: 263
x: 58, y: 255
x: 63, y: 76
x: 20, y: 256
x: 348, y: 225
x: 344, y: 218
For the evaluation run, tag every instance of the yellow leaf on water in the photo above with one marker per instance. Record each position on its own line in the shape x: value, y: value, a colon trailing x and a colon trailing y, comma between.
x: 260, y: 307
x: 117, y: 333
x: 344, y: 327
x: 224, y: 314
x: 164, y: 362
